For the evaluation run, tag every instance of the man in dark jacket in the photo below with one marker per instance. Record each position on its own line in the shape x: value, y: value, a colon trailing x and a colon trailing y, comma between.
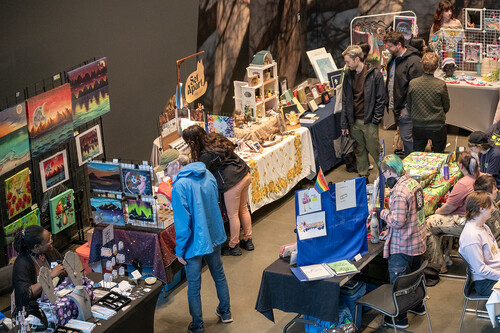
x: 363, y: 100
x: 403, y: 67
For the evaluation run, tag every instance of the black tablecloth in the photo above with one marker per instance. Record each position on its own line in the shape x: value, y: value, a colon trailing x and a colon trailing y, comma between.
x: 323, y: 131
x: 280, y: 289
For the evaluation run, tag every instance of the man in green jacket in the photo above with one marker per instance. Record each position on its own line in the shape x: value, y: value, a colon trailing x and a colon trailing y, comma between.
x: 428, y: 102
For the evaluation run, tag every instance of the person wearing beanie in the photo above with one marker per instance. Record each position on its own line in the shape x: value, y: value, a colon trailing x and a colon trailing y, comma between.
x: 489, y: 155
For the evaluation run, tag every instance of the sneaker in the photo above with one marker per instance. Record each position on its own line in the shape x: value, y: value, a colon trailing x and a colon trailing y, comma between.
x: 224, y: 317
x: 400, y: 322
x: 418, y: 310
x: 193, y: 329
x: 247, y: 245
x: 232, y: 251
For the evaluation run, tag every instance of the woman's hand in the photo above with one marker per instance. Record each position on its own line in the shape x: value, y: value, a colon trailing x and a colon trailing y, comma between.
x: 58, y: 270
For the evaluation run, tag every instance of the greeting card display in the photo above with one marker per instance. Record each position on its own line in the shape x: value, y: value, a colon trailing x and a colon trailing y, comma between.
x: 18, y: 192
x: 107, y: 211
x: 50, y: 119
x: 54, y: 170
x: 32, y: 218
x: 221, y: 124
x: 136, y: 181
x: 14, y: 142
x: 89, y: 91
x: 62, y: 211
x: 104, y: 177
x: 89, y: 145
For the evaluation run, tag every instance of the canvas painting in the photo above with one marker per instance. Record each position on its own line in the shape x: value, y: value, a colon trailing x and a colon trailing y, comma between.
x: 136, y: 181
x: 89, y: 91
x: 311, y: 225
x: 50, y: 119
x: 492, y: 51
x: 18, y: 192
x: 32, y: 218
x: 473, y: 52
x: 14, y: 142
x: 140, y: 210
x: 54, y: 170
x: 62, y: 211
x: 406, y: 25
x: 107, y: 211
x: 491, y: 21
x: 104, y: 177
x: 89, y: 144
x: 221, y: 124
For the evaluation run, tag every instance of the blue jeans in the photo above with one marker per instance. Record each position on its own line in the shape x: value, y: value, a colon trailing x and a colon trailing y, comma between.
x: 193, y: 276
x: 405, y: 130
x: 484, y: 287
x: 401, y: 264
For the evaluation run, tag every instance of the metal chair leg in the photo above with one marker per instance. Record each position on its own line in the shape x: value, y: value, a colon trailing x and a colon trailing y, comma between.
x: 463, y: 314
x: 428, y: 317
x: 394, y: 323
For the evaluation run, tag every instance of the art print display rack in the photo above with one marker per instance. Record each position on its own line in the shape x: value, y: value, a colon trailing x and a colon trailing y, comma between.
x: 261, y: 90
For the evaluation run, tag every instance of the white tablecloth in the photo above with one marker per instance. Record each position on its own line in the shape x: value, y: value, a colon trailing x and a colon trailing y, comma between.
x: 493, y: 306
x: 280, y: 167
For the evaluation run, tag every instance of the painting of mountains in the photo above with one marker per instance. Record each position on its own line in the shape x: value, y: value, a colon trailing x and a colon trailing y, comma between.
x: 14, y: 140
x: 54, y: 170
x: 107, y: 210
x: 140, y: 210
x: 88, y: 144
x: 50, y: 120
x: 104, y: 177
x: 89, y: 91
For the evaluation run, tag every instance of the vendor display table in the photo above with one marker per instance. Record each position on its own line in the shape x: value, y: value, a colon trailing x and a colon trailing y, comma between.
x: 280, y: 289
x: 324, y: 131
x: 154, y: 249
x: 280, y: 167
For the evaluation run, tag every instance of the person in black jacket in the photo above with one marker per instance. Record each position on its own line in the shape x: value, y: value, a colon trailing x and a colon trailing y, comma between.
x: 403, y: 67
x: 363, y: 101
x: 233, y: 179
x: 34, y: 245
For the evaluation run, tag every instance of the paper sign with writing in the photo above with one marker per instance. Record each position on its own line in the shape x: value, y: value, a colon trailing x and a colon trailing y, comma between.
x: 345, y: 194
x: 195, y: 84
x: 107, y: 234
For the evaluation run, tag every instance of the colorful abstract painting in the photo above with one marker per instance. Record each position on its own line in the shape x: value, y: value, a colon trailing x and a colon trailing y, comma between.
x: 491, y: 21
x: 14, y: 140
x: 107, y: 211
x: 221, y: 124
x: 89, y: 91
x: 50, y: 119
x: 32, y: 218
x: 136, y: 181
x: 54, y: 170
x: 104, y: 177
x: 88, y: 144
x: 62, y: 211
x: 140, y: 210
x: 18, y: 192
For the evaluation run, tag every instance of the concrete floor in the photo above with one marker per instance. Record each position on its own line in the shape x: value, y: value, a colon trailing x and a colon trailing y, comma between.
x: 273, y: 226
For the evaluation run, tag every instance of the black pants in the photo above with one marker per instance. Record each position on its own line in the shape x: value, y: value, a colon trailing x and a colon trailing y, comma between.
x: 437, y: 134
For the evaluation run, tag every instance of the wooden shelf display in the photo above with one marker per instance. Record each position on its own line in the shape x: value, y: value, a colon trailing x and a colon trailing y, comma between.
x: 261, y: 91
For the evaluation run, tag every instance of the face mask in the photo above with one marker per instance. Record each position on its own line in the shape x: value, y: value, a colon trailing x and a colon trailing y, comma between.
x: 391, y: 181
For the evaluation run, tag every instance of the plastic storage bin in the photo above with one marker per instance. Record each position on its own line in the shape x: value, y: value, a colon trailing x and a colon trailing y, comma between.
x: 349, y: 293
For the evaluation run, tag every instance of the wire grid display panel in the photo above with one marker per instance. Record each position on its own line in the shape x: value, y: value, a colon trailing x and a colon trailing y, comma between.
x: 371, y: 29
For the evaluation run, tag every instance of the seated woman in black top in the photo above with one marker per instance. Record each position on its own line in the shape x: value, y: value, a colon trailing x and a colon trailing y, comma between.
x: 34, y: 247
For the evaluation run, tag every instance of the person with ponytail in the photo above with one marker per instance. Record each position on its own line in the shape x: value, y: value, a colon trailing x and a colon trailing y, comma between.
x: 450, y: 218
x: 34, y: 248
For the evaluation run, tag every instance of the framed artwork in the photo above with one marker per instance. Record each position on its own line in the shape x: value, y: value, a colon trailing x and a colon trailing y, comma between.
x: 334, y: 78
x: 32, y: 218
x: 291, y: 115
x: 140, y: 210
x: 89, y: 91
x: 18, y: 192
x: 183, y: 113
x: 323, y: 64
x: 104, y: 177
x: 472, y: 52
x: 136, y: 182
x: 493, y: 51
x: 62, y: 211
x: 50, y: 119
x: 107, y: 211
x: 406, y: 25
x: 473, y: 19
x: 221, y: 124
x: 14, y: 139
x: 491, y: 21
x: 88, y: 144
x: 54, y: 170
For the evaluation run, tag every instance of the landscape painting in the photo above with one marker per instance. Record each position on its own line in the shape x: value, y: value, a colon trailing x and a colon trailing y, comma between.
x: 89, y: 145
x: 107, y: 210
x: 104, y: 177
x: 62, y: 211
x: 140, y: 210
x: 54, y: 170
x: 89, y: 91
x: 136, y: 181
x: 50, y: 119
x: 18, y: 192
x: 14, y: 140
x: 32, y: 218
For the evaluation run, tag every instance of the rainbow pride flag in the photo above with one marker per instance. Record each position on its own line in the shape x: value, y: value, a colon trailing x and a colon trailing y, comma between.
x: 321, y: 184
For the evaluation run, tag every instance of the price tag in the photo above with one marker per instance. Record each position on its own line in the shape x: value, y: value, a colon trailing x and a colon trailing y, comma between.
x: 18, y: 94
x: 357, y: 257
x: 115, y: 160
x: 107, y: 234
x: 56, y: 77
x: 136, y: 275
x: 34, y: 206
